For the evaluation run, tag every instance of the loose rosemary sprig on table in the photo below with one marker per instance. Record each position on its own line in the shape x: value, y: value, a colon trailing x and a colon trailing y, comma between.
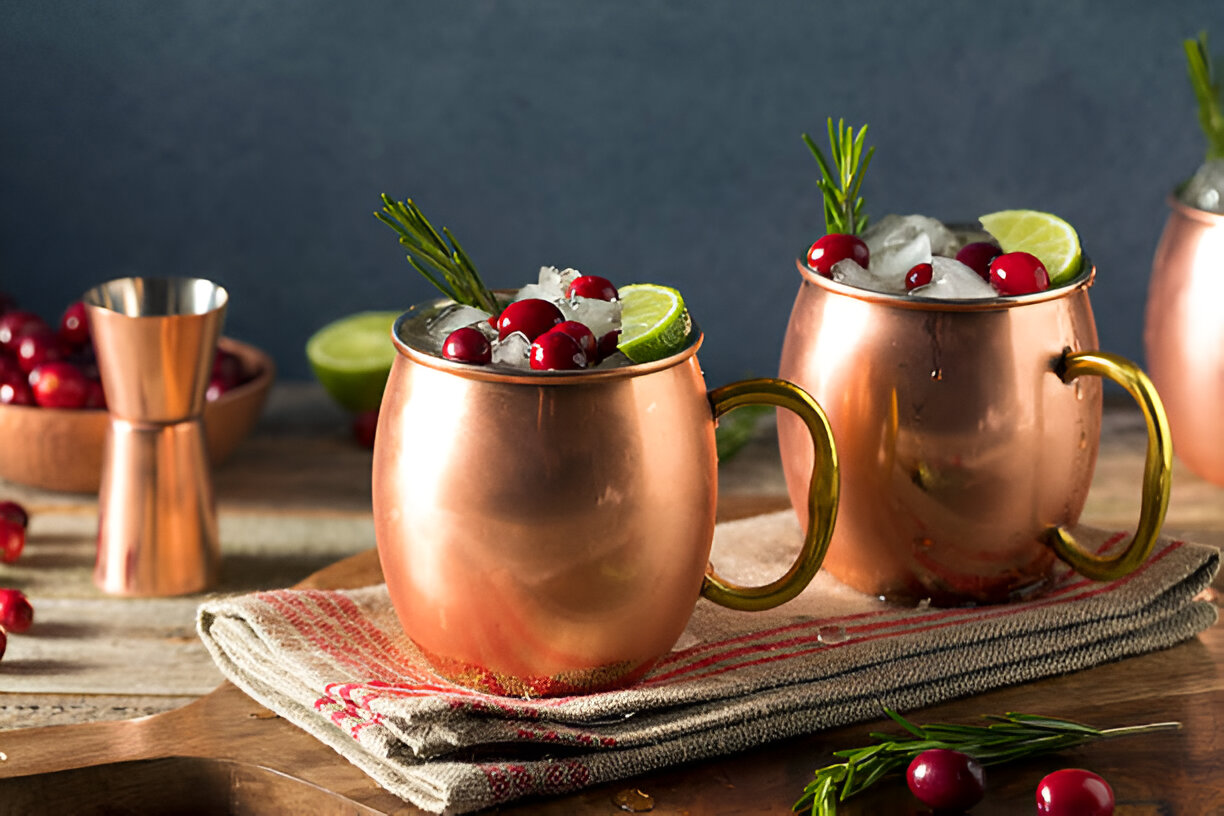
x: 452, y: 270
x: 1010, y: 737
x: 843, y: 206
x: 1210, y: 94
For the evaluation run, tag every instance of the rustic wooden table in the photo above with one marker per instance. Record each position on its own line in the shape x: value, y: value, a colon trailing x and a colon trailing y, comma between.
x: 295, y: 499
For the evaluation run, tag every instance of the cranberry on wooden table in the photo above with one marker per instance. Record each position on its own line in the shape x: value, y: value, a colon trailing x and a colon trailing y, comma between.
x: 16, y: 614
x: 1074, y: 792
x: 946, y: 780
x: 365, y: 425
x: 12, y: 540
x: 834, y: 247
x: 13, y: 511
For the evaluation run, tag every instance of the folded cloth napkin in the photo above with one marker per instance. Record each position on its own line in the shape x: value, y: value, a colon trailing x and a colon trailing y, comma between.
x: 338, y: 664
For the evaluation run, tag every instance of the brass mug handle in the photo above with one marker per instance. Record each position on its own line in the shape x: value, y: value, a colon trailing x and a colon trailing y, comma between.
x: 1157, y: 468
x: 822, y: 494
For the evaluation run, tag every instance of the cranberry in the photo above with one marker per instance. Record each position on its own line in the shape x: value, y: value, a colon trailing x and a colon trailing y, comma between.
x: 557, y: 351
x: 532, y: 317
x: 8, y: 365
x: 16, y: 614
x: 216, y: 387
x: 3, y: 642
x: 584, y: 336
x: 1074, y: 792
x: 15, y: 325
x: 1018, y: 273
x: 919, y: 275
x: 74, y: 325
x: 15, y: 390
x: 365, y: 424
x: 12, y: 540
x: 977, y: 256
x: 607, y: 344
x: 835, y: 247
x: 95, y: 396
x: 59, y: 385
x: 468, y: 345
x: 592, y: 286
x: 946, y: 780
x: 227, y: 368
x: 38, y: 347
x: 14, y: 512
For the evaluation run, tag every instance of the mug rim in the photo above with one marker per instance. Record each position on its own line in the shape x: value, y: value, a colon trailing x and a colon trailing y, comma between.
x: 489, y: 373
x: 1080, y: 283
x: 1194, y: 213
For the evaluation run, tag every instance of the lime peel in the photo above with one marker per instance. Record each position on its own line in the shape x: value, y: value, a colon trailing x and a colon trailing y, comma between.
x: 351, y: 358
x: 654, y: 322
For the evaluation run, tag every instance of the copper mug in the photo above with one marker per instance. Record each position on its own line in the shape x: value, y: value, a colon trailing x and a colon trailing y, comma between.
x: 967, y: 435
x: 549, y: 533
x: 1184, y: 334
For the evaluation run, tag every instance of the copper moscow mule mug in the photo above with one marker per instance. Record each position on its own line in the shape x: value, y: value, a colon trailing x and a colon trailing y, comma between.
x: 549, y: 533
x: 967, y: 434
x: 1184, y: 334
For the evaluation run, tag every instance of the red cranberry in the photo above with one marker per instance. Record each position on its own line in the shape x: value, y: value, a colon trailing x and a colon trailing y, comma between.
x: 584, y: 336
x: 14, y: 512
x: 95, y: 396
x: 15, y: 390
x: 59, y: 385
x: 919, y: 275
x: 365, y: 424
x: 607, y: 345
x: 12, y: 540
x: 467, y: 345
x: 977, y: 256
x: 3, y: 642
x: 557, y: 351
x: 38, y: 347
x: 946, y: 780
x: 532, y: 317
x: 1018, y: 273
x: 1074, y: 792
x: 227, y: 367
x: 8, y: 364
x: 16, y: 614
x: 592, y: 286
x: 15, y: 325
x: 835, y: 247
x: 74, y: 325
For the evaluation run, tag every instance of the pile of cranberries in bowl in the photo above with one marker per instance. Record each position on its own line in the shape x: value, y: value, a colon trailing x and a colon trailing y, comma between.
x: 54, y: 366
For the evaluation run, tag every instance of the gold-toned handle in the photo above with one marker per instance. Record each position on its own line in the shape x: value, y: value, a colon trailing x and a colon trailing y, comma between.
x: 822, y: 494
x: 1157, y: 468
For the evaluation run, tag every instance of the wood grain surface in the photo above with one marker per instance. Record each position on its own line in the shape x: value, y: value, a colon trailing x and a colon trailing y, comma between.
x: 295, y: 499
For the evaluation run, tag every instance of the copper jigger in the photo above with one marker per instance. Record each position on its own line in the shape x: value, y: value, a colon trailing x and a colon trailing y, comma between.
x: 155, y: 340
x: 1184, y: 334
x: 967, y: 435
x: 549, y: 533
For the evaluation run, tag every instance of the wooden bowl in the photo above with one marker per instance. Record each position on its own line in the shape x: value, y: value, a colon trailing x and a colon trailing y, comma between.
x: 58, y: 449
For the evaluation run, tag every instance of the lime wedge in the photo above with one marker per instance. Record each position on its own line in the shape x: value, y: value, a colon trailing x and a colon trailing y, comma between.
x: 1050, y: 238
x: 352, y: 357
x: 654, y: 323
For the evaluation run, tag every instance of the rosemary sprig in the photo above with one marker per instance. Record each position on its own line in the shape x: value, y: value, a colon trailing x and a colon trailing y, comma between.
x: 1208, y: 91
x: 440, y: 259
x: 843, y: 206
x: 1009, y: 737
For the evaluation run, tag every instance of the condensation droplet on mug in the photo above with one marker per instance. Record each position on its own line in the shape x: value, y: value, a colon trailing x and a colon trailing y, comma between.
x: 1083, y: 440
x: 1079, y: 390
x: 633, y: 800
x: 936, y: 374
x: 831, y: 634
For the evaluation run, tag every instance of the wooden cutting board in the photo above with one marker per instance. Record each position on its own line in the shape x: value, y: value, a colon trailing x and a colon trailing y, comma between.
x: 224, y: 753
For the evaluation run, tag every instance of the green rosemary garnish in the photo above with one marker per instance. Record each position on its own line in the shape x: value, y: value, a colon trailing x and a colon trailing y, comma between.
x: 452, y: 270
x: 1010, y: 737
x: 843, y: 206
x: 1209, y: 93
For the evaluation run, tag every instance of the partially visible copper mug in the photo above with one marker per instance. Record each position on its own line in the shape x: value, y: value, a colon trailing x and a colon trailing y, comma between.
x: 549, y: 532
x: 1184, y: 334
x: 967, y: 435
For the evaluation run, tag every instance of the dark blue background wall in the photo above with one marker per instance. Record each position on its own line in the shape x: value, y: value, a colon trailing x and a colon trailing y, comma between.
x: 248, y: 141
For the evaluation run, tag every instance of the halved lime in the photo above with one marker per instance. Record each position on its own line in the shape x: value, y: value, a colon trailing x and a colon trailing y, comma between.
x: 654, y: 323
x: 1051, y: 239
x: 352, y: 357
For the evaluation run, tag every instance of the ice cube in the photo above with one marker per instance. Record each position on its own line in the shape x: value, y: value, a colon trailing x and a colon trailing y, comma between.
x: 1205, y: 189
x: 534, y: 290
x: 898, y: 242
x: 455, y: 317
x: 952, y: 280
x: 600, y: 316
x: 850, y: 273
x: 556, y: 282
x: 513, y: 351
x: 614, y: 360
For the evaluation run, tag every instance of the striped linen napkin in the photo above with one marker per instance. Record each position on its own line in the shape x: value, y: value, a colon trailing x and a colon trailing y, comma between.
x: 337, y: 664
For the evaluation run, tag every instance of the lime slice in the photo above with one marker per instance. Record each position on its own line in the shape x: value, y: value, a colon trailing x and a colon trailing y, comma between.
x: 654, y: 323
x: 352, y: 357
x: 1050, y: 238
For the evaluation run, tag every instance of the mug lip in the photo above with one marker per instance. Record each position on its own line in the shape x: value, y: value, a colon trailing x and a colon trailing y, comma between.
x: 538, y: 378
x: 1193, y: 213
x: 1080, y: 283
